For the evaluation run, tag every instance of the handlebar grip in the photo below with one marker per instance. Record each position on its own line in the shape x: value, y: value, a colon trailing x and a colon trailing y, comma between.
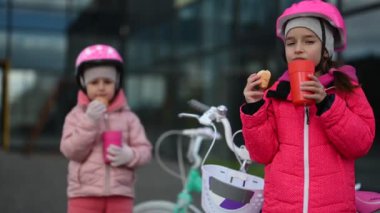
x: 198, y: 105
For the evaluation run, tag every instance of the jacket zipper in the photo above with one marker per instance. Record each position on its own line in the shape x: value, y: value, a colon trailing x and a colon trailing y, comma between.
x: 306, y: 160
x: 107, y: 180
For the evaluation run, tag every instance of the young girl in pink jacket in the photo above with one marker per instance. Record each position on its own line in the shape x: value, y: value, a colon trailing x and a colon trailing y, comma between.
x: 101, y: 179
x: 309, y: 150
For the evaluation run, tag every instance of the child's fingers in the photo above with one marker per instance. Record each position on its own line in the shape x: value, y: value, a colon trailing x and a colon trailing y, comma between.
x: 110, y: 157
x: 253, y: 82
x: 113, y: 149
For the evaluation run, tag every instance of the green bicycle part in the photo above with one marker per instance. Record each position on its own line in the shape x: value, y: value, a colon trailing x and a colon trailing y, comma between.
x: 184, y: 200
x: 195, y: 181
x: 194, y: 184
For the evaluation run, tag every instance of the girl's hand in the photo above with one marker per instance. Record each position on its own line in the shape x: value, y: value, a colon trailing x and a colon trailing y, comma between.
x: 95, y: 109
x: 316, y: 89
x: 119, y: 155
x: 252, y: 92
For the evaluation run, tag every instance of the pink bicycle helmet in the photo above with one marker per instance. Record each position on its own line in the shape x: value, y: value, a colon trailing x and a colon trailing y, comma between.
x: 318, y: 9
x: 98, y: 54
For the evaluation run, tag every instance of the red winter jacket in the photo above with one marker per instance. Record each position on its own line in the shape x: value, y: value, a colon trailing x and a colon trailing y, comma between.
x: 309, y: 160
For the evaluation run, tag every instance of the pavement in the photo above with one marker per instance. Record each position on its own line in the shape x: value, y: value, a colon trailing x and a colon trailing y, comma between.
x: 32, y: 183
x: 36, y: 183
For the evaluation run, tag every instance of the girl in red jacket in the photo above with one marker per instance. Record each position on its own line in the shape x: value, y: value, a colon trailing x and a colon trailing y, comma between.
x: 309, y: 151
x: 101, y: 179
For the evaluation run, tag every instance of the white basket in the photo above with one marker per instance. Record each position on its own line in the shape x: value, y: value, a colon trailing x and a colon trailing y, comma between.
x: 228, y: 190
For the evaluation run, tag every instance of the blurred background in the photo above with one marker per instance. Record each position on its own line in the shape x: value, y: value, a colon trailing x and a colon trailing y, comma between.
x: 175, y: 50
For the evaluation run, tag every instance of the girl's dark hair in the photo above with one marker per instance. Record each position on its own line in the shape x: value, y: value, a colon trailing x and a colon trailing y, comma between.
x: 341, y: 81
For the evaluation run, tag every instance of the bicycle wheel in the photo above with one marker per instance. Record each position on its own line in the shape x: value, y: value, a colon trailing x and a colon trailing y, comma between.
x: 160, y: 206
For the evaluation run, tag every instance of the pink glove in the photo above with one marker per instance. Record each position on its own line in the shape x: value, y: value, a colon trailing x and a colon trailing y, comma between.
x: 119, y: 155
x: 95, y: 109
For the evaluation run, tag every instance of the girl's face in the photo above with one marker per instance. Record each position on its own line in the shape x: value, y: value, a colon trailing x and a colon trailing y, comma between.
x: 101, y: 87
x: 302, y: 43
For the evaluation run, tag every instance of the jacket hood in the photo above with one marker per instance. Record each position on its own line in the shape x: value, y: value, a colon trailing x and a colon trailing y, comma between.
x: 119, y: 101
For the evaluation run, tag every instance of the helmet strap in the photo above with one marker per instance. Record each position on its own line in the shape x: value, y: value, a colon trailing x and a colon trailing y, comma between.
x: 117, y: 82
x: 321, y: 64
x: 82, y: 85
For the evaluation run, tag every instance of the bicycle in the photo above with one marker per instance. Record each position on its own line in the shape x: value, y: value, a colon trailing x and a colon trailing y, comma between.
x: 222, y: 189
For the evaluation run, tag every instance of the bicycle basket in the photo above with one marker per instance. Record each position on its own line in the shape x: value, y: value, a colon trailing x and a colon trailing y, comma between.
x: 228, y: 190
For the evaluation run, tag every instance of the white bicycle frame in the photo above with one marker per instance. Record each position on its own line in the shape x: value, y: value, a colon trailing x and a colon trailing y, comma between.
x: 191, y: 182
x: 211, y: 115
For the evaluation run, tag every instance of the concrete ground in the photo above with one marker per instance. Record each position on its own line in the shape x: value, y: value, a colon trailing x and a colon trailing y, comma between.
x: 36, y: 183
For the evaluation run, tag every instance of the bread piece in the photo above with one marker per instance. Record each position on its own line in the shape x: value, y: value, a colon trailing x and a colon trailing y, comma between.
x: 104, y: 100
x: 265, y: 77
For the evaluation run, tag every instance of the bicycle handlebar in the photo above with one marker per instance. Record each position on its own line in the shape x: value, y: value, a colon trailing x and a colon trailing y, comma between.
x: 218, y: 114
x: 198, y: 105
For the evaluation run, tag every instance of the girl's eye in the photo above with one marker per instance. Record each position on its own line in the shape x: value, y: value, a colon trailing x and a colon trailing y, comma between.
x: 108, y: 81
x: 94, y: 82
x: 290, y: 43
x: 310, y: 42
x: 105, y: 81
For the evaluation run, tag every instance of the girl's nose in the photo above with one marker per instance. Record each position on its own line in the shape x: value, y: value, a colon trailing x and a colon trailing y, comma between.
x: 102, y: 85
x: 298, y: 48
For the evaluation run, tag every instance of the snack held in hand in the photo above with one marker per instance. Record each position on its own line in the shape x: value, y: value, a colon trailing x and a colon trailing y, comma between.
x: 104, y: 100
x: 265, y: 77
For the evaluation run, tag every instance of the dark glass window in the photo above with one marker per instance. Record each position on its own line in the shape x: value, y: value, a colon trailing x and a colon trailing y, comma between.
x: 188, y: 37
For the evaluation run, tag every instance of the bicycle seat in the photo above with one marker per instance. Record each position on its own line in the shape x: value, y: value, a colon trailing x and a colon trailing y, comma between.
x: 227, y: 190
x: 367, y: 202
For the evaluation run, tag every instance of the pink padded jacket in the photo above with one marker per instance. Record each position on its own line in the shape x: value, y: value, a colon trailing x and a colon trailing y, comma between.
x: 309, y: 160
x: 88, y: 175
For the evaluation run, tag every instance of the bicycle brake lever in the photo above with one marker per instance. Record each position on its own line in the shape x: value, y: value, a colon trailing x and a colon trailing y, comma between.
x: 188, y: 115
